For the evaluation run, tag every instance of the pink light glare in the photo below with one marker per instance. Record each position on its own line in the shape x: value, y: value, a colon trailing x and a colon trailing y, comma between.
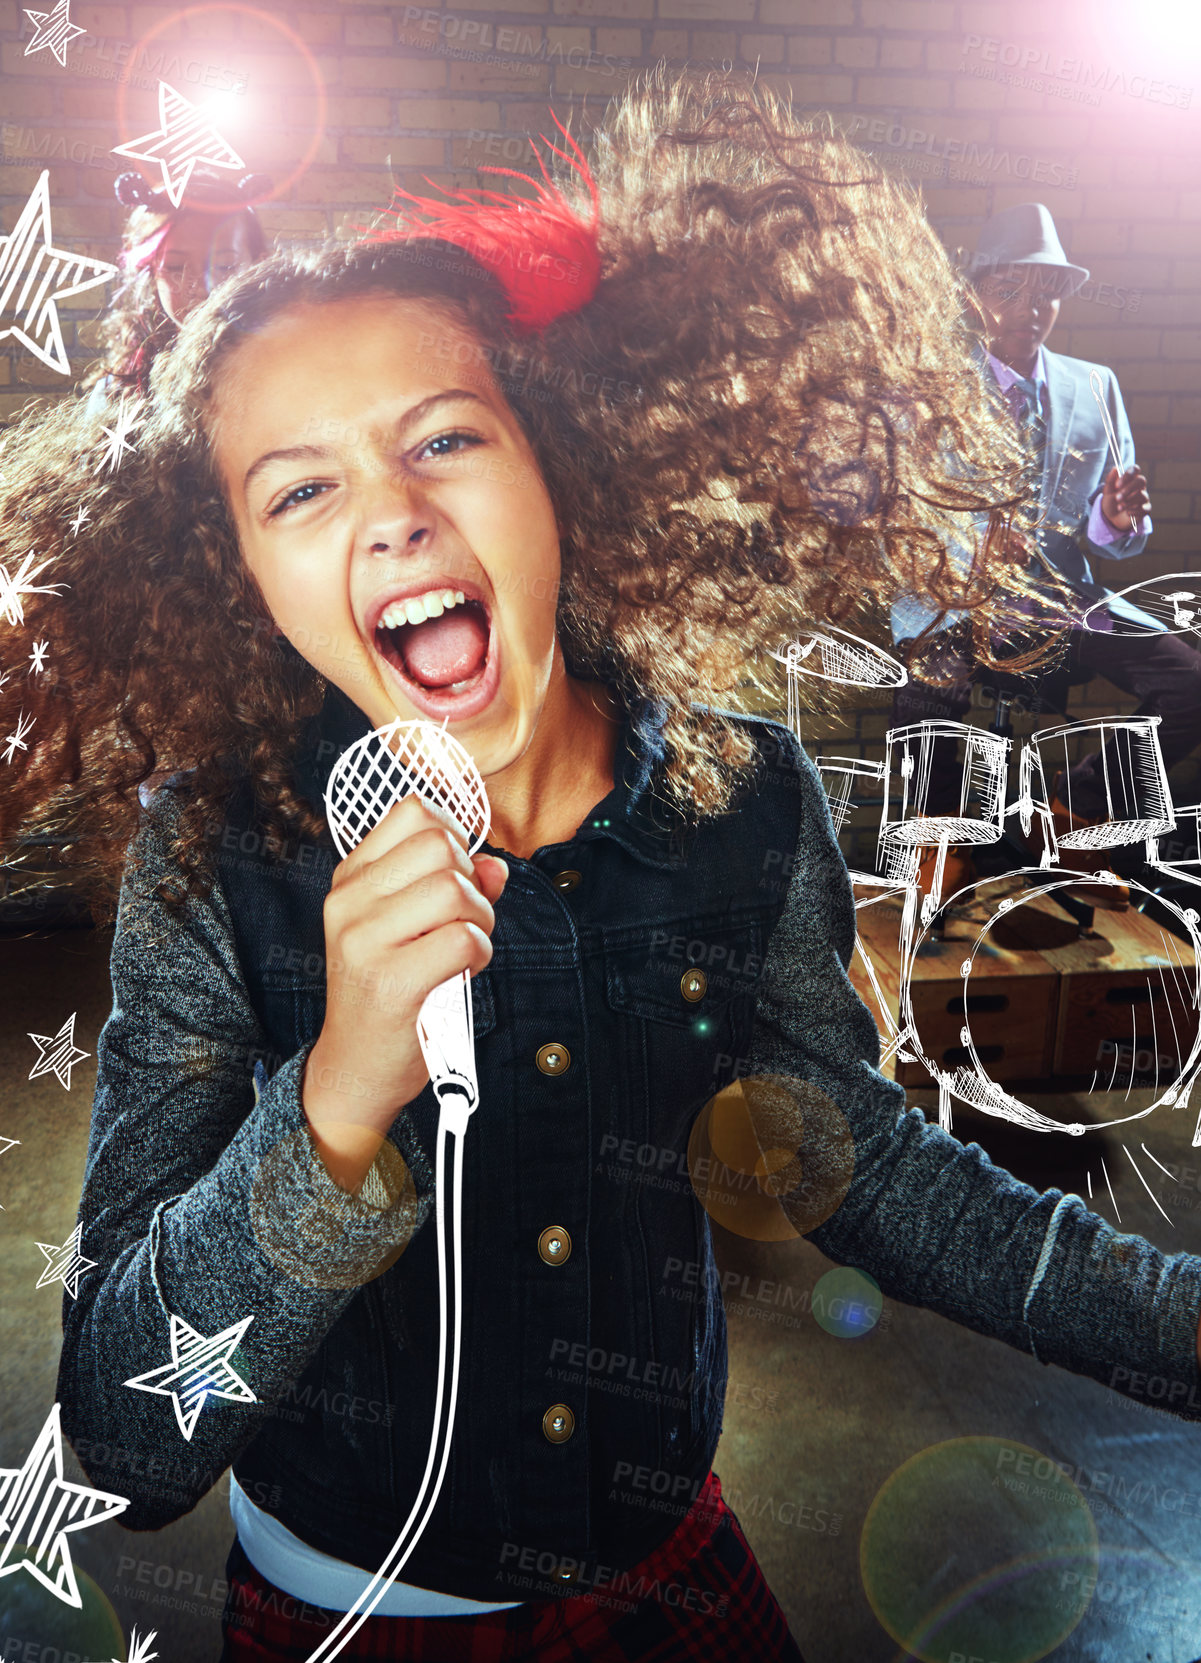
x: 234, y: 109
x: 1158, y: 38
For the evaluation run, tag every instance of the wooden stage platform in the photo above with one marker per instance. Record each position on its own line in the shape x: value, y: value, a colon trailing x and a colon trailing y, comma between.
x: 1110, y: 1008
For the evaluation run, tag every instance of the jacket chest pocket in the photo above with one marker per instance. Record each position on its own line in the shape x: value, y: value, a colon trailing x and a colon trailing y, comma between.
x: 291, y: 1007
x: 682, y: 999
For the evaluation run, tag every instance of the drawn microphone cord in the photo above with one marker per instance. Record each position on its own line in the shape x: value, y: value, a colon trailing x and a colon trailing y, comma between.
x: 376, y: 771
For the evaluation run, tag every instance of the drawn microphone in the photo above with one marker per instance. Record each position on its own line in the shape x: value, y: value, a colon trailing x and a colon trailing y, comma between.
x: 375, y: 772
x: 387, y: 764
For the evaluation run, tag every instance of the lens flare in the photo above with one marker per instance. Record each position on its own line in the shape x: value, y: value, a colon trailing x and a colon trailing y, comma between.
x: 979, y: 1547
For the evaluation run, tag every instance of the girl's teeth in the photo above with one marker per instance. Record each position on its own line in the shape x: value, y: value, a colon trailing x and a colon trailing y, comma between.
x: 418, y: 608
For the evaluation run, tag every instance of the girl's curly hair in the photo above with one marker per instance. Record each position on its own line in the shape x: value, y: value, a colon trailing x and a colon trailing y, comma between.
x: 773, y: 410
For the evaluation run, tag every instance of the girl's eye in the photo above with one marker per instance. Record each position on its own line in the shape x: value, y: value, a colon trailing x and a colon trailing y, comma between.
x: 448, y: 444
x: 295, y: 497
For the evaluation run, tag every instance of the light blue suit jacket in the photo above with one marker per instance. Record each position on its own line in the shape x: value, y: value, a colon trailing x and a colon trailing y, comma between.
x: 1069, y: 484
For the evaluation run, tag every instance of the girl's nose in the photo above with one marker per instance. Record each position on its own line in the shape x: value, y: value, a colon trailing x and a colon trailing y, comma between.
x: 400, y: 521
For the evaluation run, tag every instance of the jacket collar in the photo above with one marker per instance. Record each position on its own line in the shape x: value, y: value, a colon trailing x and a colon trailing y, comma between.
x: 1008, y: 377
x: 634, y: 814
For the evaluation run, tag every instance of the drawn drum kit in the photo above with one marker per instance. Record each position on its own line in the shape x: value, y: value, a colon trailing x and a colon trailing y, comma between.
x: 1029, y: 975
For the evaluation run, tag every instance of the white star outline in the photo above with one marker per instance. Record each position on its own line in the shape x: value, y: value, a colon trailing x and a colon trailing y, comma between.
x: 184, y: 138
x: 60, y: 1060
x: 65, y: 1264
x: 5, y: 1145
x: 139, y: 1647
x: 12, y: 588
x: 38, y: 657
x: 37, y: 1502
x: 16, y: 739
x: 53, y: 30
x: 199, y: 1369
x: 128, y: 421
x: 35, y: 275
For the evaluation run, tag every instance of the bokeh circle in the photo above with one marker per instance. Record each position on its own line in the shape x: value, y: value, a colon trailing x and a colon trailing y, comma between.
x: 847, y: 1302
x: 771, y: 1157
x: 982, y: 1547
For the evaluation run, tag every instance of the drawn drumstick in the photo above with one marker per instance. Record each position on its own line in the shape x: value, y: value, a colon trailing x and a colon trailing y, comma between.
x: 1094, y: 381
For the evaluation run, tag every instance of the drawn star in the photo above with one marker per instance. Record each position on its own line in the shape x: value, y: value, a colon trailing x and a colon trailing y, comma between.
x: 139, y: 1645
x: 184, y: 138
x: 65, y: 1264
x: 81, y: 518
x: 128, y: 421
x: 5, y: 677
x: 39, y: 1510
x: 59, y: 1060
x: 34, y: 276
x: 199, y: 1369
x: 16, y: 739
x: 12, y: 588
x: 38, y: 655
x: 5, y: 1145
x: 54, y: 30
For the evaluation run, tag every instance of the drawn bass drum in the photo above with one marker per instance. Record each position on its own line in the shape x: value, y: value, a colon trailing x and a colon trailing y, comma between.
x: 1012, y: 991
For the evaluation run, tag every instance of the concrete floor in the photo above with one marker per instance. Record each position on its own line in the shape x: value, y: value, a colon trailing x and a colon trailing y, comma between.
x: 801, y: 1468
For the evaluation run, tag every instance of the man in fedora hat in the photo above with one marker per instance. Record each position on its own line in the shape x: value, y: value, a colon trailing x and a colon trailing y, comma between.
x: 1089, y: 508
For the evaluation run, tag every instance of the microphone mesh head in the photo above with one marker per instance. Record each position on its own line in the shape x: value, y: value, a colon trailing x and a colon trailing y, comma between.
x: 390, y: 763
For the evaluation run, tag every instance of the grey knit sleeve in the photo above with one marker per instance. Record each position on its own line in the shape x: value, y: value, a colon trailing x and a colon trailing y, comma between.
x: 204, y: 1197
x: 934, y: 1221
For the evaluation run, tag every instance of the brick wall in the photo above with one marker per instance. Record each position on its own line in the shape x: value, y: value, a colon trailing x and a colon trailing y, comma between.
x: 981, y: 104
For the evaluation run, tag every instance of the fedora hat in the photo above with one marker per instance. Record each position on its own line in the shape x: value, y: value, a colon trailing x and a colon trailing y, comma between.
x: 1023, y: 236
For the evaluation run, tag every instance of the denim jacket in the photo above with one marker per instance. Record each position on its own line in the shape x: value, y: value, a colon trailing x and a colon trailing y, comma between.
x: 597, y: 1042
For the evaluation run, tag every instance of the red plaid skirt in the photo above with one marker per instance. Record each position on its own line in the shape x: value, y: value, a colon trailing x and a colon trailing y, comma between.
x: 729, y: 1615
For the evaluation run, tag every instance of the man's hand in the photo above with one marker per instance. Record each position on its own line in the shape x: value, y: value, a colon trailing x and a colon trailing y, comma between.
x: 1124, y: 498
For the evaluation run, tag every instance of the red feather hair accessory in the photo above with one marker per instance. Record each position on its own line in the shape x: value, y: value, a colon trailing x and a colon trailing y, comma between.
x: 543, y: 255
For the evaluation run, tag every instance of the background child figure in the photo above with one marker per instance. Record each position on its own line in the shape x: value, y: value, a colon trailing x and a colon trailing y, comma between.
x: 171, y: 257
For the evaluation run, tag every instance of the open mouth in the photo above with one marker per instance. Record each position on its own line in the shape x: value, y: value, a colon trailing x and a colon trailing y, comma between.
x: 439, y: 645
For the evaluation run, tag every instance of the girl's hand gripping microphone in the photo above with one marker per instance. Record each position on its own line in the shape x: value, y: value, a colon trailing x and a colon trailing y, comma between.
x: 371, y: 775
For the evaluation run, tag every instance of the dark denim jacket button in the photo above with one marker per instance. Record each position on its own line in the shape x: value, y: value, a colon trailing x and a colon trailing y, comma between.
x: 693, y: 984
x: 554, y: 1245
x: 558, y: 1423
x: 553, y: 1058
x: 567, y: 880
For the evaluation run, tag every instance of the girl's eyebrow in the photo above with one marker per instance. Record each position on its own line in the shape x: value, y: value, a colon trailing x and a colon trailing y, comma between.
x: 292, y: 453
x: 322, y: 453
